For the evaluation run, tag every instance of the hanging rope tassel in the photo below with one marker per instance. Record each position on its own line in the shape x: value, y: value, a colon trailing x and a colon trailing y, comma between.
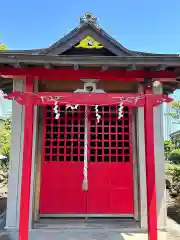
x: 85, y: 169
x: 85, y: 184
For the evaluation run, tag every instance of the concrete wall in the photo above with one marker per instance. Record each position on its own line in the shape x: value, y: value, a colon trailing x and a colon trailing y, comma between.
x: 15, y: 160
x: 159, y: 165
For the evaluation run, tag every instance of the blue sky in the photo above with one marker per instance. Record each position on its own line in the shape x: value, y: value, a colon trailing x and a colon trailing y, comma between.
x: 151, y: 26
x: 139, y: 25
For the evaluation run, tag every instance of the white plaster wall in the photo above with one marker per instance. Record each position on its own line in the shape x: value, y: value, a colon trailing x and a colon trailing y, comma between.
x: 15, y: 160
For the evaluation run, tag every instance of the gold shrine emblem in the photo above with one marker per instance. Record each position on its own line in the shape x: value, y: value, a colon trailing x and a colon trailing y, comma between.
x: 3, y: 46
x: 89, y: 42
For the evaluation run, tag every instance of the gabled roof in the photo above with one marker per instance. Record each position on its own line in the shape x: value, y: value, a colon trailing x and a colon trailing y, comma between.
x: 80, y: 32
x: 175, y: 134
x: 114, y: 56
x: 88, y: 26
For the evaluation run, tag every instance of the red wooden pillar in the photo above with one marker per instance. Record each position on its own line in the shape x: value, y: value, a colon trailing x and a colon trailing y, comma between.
x: 27, y: 163
x: 150, y: 168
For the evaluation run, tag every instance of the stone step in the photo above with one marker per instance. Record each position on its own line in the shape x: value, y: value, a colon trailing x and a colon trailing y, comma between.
x: 91, y: 235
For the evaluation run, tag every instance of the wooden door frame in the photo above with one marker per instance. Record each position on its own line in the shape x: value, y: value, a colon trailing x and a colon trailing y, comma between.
x: 38, y: 162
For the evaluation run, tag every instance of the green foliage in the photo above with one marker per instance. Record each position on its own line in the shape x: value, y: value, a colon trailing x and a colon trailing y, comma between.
x: 168, y: 146
x: 174, y: 156
x: 176, y: 175
x: 173, y: 174
x: 176, y: 140
x: 171, y: 169
x: 5, y: 138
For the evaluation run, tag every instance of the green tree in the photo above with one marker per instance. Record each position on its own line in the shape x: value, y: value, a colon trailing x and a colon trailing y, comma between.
x: 5, y: 139
x: 168, y: 146
x: 174, y: 156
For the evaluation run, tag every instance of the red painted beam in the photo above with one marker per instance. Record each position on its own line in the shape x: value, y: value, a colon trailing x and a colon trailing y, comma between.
x: 89, y: 99
x: 26, y: 165
x: 71, y: 74
x: 150, y: 168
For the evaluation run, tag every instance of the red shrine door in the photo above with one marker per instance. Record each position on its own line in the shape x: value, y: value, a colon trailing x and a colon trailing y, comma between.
x: 110, y: 165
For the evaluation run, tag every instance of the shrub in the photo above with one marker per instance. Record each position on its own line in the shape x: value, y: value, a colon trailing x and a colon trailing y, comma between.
x: 173, y: 173
x: 170, y: 169
x: 168, y: 146
x: 5, y: 138
x: 174, y: 156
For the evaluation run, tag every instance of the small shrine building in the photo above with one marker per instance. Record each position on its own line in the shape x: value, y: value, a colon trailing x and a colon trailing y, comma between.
x: 87, y: 134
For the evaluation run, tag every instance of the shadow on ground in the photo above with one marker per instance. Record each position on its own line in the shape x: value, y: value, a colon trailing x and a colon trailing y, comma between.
x: 173, y: 212
x: 5, y: 237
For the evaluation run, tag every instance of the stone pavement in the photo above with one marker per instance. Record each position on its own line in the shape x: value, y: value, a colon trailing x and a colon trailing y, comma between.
x: 173, y: 229
x: 92, y: 236
x: 172, y: 234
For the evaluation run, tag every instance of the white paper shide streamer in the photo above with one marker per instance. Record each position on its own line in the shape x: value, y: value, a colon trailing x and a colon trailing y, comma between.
x: 98, y: 116
x: 120, y: 111
x: 56, y: 110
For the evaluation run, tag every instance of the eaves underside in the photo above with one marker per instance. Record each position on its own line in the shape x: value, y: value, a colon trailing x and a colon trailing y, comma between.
x: 153, y: 60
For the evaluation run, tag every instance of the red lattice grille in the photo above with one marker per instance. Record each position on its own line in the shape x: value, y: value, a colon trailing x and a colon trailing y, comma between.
x: 110, y: 168
x: 64, y: 138
x: 109, y: 139
x: 62, y: 165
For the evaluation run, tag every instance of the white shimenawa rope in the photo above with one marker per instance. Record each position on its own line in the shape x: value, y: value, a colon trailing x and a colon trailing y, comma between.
x: 85, y: 169
x: 71, y: 107
x: 56, y: 111
x: 98, y: 117
x: 120, y: 111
